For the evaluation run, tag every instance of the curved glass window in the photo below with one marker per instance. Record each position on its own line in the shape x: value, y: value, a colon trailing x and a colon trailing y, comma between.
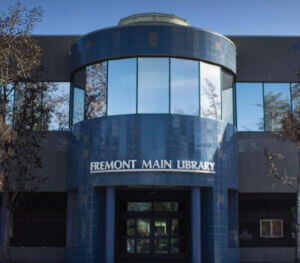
x: 210, y: 91
x: 122, y: 86
x: 95, y: 89
x: 153, y: 85
x: 184, y: 87
x: 227, y: 96
x: 78, y: 88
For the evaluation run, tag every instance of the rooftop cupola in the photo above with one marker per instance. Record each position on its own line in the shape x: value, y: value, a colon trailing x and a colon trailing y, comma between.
x: 153, y: 18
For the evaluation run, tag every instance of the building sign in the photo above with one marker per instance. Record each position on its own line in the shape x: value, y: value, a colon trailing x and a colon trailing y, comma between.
x: 181, y: 166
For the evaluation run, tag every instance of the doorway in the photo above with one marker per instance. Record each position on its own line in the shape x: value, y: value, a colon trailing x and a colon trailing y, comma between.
x: 152, y: 226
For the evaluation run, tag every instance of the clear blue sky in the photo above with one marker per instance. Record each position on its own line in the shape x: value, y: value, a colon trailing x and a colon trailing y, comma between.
x: 229, y: 17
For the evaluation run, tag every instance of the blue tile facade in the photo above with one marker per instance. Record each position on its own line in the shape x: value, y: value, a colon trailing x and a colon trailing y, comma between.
x: 151, y: 137
x: 172, y: 41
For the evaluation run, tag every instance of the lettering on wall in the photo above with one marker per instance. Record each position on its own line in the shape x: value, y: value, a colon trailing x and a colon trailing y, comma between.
x: 152, y: 165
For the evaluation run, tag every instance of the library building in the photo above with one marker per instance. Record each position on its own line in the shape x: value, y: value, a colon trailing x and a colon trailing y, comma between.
x: 157, y: 155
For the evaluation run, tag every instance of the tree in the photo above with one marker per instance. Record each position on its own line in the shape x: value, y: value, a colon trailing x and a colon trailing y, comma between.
x: 287, y: 124
x: 20, y: 122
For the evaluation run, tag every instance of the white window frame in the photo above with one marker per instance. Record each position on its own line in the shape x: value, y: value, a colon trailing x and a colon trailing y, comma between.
x: 271, y: 230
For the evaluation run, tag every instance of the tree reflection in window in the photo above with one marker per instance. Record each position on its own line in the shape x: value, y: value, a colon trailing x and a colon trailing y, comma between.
x: 95, y: 98
x: 210, y: 91
x: 277, y: 104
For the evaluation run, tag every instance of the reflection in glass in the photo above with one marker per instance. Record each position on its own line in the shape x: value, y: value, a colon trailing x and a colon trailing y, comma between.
x: 166, y: 206
x: 227, y: 96
x: 130, y: 245
x: 174, y: 245
x: 78, y: 105
x: 174, y: 227
x: 27, y: 91
x: 277, y: 228
x: 210, y: 91
x: 143, y: 227
x: 277, y: 103
x: 57, y: 98
x: 295, y: 89
x: 160, y: 228
x: 153, y: 85
x: 139, y: 206
x: 161, y: 246
x: 10, y: 103
x: 184, y: 86
x: 130, y: 227
x: 95, y: 99
x: 142, y: 246
x: 122, y: 86
x: 249, y: 101
x: 265, y: 228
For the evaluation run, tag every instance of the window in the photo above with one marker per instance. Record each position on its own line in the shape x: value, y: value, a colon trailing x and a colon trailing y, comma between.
x: 227, y: 96
x: 122, y: 86
x: 95, y: 89
x: 153, y: 85
x: 271, y: 228
x: 210, y: 83
x: 277, y: 102
x: 249, y: 100
x: 184, y: 87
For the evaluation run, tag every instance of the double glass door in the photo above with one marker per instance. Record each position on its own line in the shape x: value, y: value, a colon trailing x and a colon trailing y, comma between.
x: 152, y: 231
x: 153, y: 236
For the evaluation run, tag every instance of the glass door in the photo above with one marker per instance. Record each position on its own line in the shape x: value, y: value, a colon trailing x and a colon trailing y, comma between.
x: 153, y: 231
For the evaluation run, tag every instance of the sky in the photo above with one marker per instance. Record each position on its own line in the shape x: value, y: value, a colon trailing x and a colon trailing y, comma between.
x: 228, y: 17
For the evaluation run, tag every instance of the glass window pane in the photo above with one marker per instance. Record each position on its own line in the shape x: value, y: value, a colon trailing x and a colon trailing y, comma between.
x: 160, y: 228
x: 57, y: 99
x: 28, y: 91
x: 143, y: 227
x: 95, y: 100
x: 277, y: 102
x: 130, y: 245
x: 130, y: 227
x: 139, y: 206
x: 165, y: 206
x: 227, y: 96
x: 277, y: 228
x: 184, y: 86
x: 122, y: 86
x: 78, y: 86
x: 210, y: 91
x: 161, y: 246
x: 296, y: 96
x: 10, y: 103
x: 174, y: 245
x: 175, y: 227
x: 153, y: 85
x: 142, y: 246
x: 78, y: 105
x: 249, y: 100
x: 265, y: 228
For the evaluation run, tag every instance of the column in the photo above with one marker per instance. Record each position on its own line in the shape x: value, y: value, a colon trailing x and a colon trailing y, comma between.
x: 110, y: 226
x: 196, y: 224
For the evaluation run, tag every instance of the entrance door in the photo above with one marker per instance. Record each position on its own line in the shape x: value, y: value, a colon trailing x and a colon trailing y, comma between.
x: 152, y: 229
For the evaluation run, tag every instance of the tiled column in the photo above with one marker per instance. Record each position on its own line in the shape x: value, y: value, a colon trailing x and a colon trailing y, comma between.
x: 196, y: 224
x: 110, y: 226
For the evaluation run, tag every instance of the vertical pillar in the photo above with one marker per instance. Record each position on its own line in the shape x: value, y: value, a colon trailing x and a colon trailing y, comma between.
x: 110, y: 226
x: 196, y: 224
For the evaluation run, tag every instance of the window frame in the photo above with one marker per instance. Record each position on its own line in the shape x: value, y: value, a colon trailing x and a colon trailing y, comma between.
x: 271, y: 228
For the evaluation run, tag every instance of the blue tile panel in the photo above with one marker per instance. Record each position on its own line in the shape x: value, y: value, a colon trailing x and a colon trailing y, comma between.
x: 156, y: 136
x: 172, y: 40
